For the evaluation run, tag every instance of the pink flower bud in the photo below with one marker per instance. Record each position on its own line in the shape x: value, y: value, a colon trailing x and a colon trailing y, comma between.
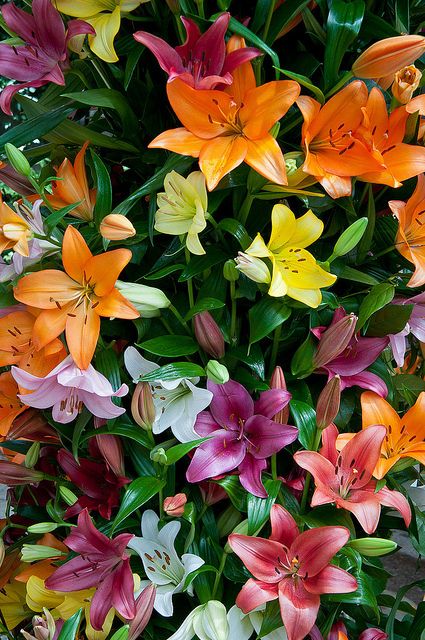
x: 328, y: 403
x: 142, y: 407
x: 110, y: 448
x: 174, y: 505
x: 337, y: 629
x: 373, y: 634
x: 13, y: 474
x: 334, y: 340
x: 277, y: 381
x: 211, y: 493
x: 208, y: 334
x: 144, y: 608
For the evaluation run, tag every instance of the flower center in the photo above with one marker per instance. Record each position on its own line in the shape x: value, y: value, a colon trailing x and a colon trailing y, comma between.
x: 348, y: 479
x: 231, y: 123
x: 393, y: 447
x: 159, y: 564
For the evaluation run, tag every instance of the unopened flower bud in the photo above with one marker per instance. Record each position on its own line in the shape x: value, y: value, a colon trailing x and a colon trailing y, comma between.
x: 35, y: 552
x: 254, y: 268
x: 406, y: 81
x: 159, y: 455
x: 174, y: 505
x: 387, y: 56
x: 68, y: 496
x: 277, y: 381
x: 42, y: 527
x: 147, y: 300
x: 214, y: 621
x: 334, y: 340
x: 32, y: 455
x: 328, y: 403
x: 142, y: 406
x: 43, y: 628
x: 13, y: 474
x: 228, y: 520
x: 2, y: 551
x: 211, y: 493
x: 217, y: 372
x: 115, y: 226
x: 230, y: 271
x: 144, y: 608
x: 208, y: 334
x: 373, y: 546
x: 17, y: 159
x: 349, y: 238
x: 373, y: 634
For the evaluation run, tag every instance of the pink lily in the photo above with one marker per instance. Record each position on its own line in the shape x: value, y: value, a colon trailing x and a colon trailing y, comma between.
x: 293, y: 567
x: 242, y: 435
x: 345, y: 478
x: 103, y: 563
x: 44, y: 54
x: 67, y: 388
x: 201, y: 61
x: 355, y: 356
x: 415, y: 326
x: 339, y: 632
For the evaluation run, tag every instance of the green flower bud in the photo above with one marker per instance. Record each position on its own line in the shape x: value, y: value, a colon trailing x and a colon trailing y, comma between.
x: 67, y: 495
x: 32, y: 456
x: 35, y: 552
x: 373, y: 546
x: 349, y: 238
x: 158, y: 455
x: 42, y: 527
x: 228, y: 520
x: 230, y: 272
x: 147, y: 300
x: 17, y: 159
x: 217, y: 372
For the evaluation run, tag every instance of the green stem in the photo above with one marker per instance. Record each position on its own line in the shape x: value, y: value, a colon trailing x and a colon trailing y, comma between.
x: 161, y: 503
x: 200, y: 5
x: 101, y: 73
x: 345, y: 78
x: 245, y: 208
x: 189, y: 282
x: 274, y: 466
x: 381, y: 253
x: 179, y: 317
x: 268, y: 20
x: 179, y: 26
x: 219, y: 574
x: 275, y: 347
x: 233, y: 314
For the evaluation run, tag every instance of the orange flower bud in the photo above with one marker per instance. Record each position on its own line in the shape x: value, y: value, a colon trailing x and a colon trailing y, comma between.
x: 406, y: 81
x: 142, y: 407
x: 328, y: 403
x: 386, y: 57
x: 208, y: 334
x: 277, y: 381
x: 174, y: 505
x: 116, y: 227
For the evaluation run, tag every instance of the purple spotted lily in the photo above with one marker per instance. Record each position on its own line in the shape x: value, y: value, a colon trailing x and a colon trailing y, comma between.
x: 43, y: 55
x: 415, y: 326
x: 201, y: 61
x: 242, y: 435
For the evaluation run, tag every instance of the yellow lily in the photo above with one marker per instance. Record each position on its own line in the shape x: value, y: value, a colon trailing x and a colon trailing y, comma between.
x: 12, y: 604
x: 105, y: 18
x: 295, y: 271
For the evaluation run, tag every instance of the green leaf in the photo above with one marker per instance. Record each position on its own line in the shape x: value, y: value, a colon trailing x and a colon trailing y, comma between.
x: 364, y: 594
x: 305, y: 82
x: 110, y: 99
x: 121, y: 634
x: 305, y: 420
x: 103, y: 206
x: 206, y: 568
x: 69, y: 630
x: 204, y: 304
x: 343, y: 26
x: 241, y: 30
x: 33, y: 128
x: 166, y: 271
x: 302, y: 361
x: 272, y: 619
x: 198, y: 264
x: 379, y: 296
x: 259, y: 508
x: 137, y: 494
x: 366, y: 242
x: 283, y: 16
x: 265, y: 316
x: 235, y: 491
x: 53, y: 218
x: 107, y: 364
x: 174, y: 371
x: 124, y: 430
x: 348, y: 273
x: 81, y: 423
x: 174, y: 454
x: 417, y: 625
x: 237, y: 230
x: 408, y: 386
x: 388, y: 320
x: 170, y: 346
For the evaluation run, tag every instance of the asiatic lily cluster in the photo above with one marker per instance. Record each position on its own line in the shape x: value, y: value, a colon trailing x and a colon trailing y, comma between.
x: 212, y: 319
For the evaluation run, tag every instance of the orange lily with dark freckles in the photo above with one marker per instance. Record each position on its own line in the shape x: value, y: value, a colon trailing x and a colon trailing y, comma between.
x: 10, y: 404
x: 75, y: 300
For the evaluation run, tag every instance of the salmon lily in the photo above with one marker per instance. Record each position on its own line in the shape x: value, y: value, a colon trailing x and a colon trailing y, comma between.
x: 295, y: 271
x: 225, y: 128
x: 72, y: 187
x: 75, y: 300
x: 293, y: 567
x: 334, y: 151
x: 405, y: 436
x: 410, y: 240
x: 346, y: 478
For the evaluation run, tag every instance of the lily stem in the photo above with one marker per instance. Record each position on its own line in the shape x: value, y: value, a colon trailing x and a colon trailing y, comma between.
x: 274, y: 466
x: 233, y: 314
x: 275, y: 347
x: 179, y: 317
x: 100, y: 72
x: 268, y: 21
x: 189, y: 282
x: 219, y: 574
x: 245, y: 208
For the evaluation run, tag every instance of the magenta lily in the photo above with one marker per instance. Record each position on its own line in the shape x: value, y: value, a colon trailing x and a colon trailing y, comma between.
x: 355, y: 356
x: 44, y: 55
x: 415, y: 326
x: 67, y: 388
x: 345, y: 478
x: 103, y: 563
x: 201, y: 61
x: 242, y: 435
x: 293, y: 567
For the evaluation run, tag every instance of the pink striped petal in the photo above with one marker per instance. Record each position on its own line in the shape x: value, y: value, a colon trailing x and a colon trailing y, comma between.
x: 365, y: 506
x: 284, y: 527
x: 250, y: 470
x: 362, y: 453
x: 271, y: 402
x: 331, y: 580
x: 321, y: 469
x: 255, y: 593
x: 397, y: 501
x: 260, y: 556
x: 316, y: 547
x: 298, y: 608
x: 221, y: 454
x: 123, y: 591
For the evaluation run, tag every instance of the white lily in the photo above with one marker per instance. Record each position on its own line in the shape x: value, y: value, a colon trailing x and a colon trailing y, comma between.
x: 242, y: 626
x: 177, y: 402
x: 207, y: 622
x: 162, y: 565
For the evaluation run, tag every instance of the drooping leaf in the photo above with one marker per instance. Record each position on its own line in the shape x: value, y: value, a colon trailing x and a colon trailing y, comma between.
x: 137, y: 494
x: 265, y: 316
x: 170, y: 346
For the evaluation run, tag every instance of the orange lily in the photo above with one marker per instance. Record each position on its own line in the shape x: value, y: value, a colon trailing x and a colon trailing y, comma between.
x: 17, y: 346
x: 410, y: 239
x: 74, y: 301
x: 225, y: 128
x: 43, y: 568
x: 334, y: 151
x: 385, y: 134
x: 10, y: 405
x: 405, y: 435
x: 14, y: 231
x: 72, y: 187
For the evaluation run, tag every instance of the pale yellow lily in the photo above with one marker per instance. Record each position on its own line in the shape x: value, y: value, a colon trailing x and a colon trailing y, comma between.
x: 105, y: 18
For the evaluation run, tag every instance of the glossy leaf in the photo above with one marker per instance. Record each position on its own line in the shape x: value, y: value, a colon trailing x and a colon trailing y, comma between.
x: 103, y: 206
x: 259, y: 508
x: 170, y: 346
x: 343, y: 26
x: 305, y: 420
x: 137, y: 494
x: 379, y: 296
x: 69, y: 630
x: 265, y: 316
x: 204, y: 304
x: 174, y: 371
x: 390, y: 319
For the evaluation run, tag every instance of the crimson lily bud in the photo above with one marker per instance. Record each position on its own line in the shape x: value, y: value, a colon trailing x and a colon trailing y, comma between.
x: 144, y: 608
x: 277, y: 381
x: 13, y: 474
x: 328, y: 403
x: 337, y: 631
x: 115, y: 226
x: 174, y: 505
x: 334, y: 340
x: 208, y: 334
x: 110, y: 448
x: 211, y: 493
x: 142, y: 407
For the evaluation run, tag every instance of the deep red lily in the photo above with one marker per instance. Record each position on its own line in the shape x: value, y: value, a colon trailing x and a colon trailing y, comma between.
x: 293, y: 567
x: 201, y: 61
x: 102, y: 563
x: 345, y: 478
